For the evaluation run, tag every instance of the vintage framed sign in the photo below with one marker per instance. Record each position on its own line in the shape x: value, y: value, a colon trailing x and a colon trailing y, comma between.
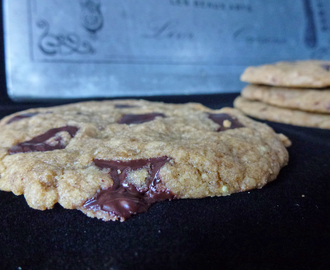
x: 57, y: 49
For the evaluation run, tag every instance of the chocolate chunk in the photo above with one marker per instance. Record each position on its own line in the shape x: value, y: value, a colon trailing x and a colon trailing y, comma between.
x: 326, y: 67
x: 20, y: 116
x: 124, y: 199
x: 39, y: 143
x: 120, y: 106
x: 225, y: 121
x: 138, y: 118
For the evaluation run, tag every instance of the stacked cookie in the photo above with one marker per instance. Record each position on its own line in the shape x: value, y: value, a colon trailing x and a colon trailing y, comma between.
x: 296, y: 93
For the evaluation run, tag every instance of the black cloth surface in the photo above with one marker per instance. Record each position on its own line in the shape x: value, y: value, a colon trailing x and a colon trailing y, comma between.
x: 285, y: 225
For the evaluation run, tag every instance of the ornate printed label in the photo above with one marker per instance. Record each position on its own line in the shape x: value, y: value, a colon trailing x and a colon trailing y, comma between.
x: 178, y: 31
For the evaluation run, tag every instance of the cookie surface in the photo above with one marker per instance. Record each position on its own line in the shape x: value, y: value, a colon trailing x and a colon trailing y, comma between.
x: 265, y: 111
x: 112, y: 159
x: 301, y: 74
x: 294, y: 98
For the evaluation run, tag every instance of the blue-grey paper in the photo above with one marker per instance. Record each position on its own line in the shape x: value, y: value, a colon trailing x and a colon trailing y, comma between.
x: 108, y: 48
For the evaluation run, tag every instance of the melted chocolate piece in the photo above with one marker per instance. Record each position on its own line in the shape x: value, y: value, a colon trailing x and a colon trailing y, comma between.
x: 39, y: 144
x: 124, y: 199
x: 138, y: 118
x: 326, y: 67
x: 122, y: 106
x: 221, y: 117
x: 20, y: 116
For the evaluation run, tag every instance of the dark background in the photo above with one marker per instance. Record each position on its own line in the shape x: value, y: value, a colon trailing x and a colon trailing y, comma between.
x: 285, y: 225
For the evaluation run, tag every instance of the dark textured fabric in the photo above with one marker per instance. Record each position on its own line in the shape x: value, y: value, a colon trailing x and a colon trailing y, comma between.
x: 285, y: 225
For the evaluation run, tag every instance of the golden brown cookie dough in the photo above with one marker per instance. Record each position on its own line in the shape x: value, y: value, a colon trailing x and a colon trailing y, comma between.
x: 112, y: 159
x: 300, y: 74
x: 265, y: 111
x: 294, y: 98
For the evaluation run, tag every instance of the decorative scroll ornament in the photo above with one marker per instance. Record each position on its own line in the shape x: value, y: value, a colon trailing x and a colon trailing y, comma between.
x: 91, y: 17
x: 61, y: 44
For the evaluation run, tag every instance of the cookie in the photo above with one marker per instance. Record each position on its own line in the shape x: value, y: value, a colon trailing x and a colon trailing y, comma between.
x: 294, y: 98
x: 300, y: 74
x: 113, y: 159
x: 265, y: 111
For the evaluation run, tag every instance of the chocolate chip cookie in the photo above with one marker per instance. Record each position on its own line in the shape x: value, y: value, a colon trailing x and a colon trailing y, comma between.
x: 311, y: 100
x: 113, y: 159
x: 300, y: 74
x: 265, y: 111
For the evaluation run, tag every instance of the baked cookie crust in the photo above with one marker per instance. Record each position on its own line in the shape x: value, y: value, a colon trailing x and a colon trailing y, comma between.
x: 265, y: 111
x: 311, y: 100
x: 112, y: 159
x: 301, y: 74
